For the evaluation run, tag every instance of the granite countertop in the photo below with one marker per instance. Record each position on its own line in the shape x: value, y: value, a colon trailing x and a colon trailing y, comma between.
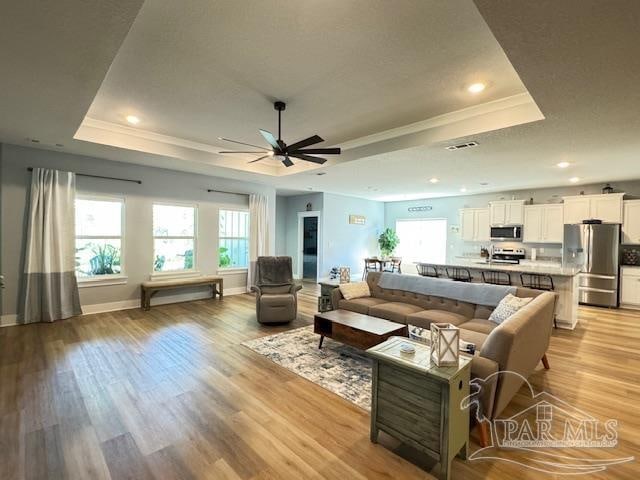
x: 526, y: 267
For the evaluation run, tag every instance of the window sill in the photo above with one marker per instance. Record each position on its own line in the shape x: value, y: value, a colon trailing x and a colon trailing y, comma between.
x: 175, y: 274
x: 102, y: 281
x: 232, y: 271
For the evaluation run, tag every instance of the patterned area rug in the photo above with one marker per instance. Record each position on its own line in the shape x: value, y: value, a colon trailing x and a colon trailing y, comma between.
x: 339, y: 368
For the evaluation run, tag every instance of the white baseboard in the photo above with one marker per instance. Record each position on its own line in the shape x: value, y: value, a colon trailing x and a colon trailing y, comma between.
x: 10, y: 320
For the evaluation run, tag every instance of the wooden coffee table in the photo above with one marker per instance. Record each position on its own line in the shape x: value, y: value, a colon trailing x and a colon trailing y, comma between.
x: 355, y: 329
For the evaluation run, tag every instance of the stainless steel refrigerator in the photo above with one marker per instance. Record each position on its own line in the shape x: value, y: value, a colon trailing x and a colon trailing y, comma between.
x: 595, y: 249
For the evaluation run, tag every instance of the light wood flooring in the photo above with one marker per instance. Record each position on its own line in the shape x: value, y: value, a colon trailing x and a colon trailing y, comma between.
x: 171, y: 394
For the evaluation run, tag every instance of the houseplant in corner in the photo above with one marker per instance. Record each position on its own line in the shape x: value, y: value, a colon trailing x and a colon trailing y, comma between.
x: 388, y: 242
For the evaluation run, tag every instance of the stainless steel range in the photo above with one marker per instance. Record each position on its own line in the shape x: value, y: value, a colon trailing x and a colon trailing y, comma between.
x: 507, y: 255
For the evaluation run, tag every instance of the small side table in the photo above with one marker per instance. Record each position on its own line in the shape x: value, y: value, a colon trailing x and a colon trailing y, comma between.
x: 324, y: 300
x: 418, y: 403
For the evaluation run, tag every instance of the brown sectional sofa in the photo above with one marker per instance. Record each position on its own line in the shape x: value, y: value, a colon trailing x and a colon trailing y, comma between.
x: 517, y: 345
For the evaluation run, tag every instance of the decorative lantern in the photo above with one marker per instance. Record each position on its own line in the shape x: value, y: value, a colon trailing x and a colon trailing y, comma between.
x: 345, y: 274
x: 445, y: 339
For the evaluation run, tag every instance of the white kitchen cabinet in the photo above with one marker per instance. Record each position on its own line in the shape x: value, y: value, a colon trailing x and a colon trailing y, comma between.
x: 607, y: 208
x: 543, y: 224
x: 630, y: 286
x: 474, y: 224
x: 506, y: 212
x: 631, y: 222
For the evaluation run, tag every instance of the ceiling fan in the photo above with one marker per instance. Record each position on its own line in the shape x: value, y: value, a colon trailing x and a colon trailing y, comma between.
x: 284, y: 151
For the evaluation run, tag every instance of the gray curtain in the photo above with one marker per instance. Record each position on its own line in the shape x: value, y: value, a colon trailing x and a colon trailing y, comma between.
x: 50, y: 289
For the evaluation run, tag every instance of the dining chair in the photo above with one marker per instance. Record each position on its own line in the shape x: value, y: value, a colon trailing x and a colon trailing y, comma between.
x: 371, y: 264
x: 394, y: 265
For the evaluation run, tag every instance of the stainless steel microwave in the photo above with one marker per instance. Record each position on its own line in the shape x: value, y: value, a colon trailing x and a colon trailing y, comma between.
x: 513, y: 234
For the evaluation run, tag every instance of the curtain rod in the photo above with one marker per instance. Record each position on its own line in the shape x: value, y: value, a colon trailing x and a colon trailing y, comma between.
x: 139, y: 182
x: 211, y: 190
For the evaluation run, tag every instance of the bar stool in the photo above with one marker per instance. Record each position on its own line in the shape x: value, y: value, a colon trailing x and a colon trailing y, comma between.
x: 539, y: 281
x: 459, y: 274
x: 495, y: 277
x: 425, y: 270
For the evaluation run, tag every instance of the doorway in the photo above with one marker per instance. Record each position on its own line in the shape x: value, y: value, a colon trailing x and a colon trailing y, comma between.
x: 308, y: 243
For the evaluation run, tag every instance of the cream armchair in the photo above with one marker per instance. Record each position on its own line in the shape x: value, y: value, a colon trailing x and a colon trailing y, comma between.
x: 276, y: 293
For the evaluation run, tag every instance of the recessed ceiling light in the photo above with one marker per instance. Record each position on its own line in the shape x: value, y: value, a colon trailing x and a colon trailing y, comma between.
x: 463, y: 189
x: 574, y: 179
x: 476, y: 87
x: 563, y: 165
x: 434, y: 180
x: 133, y: 120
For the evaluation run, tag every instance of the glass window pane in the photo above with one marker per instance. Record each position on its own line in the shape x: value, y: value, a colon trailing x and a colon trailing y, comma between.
x: 97, y: 257
x: 422, y: 240
x: 173, y: 221
x: 172, y: 254
x: 233, y: 253
x: 98, y: 218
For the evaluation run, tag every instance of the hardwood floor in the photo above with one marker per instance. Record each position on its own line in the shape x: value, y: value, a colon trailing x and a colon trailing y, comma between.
x: 171, y: 394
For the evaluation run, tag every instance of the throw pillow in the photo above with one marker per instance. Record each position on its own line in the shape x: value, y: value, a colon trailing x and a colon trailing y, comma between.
x: 507, y: 307
x: 354, y: 290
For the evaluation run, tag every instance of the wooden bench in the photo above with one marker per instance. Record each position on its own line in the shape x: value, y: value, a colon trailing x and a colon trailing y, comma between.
x: 151, y: 287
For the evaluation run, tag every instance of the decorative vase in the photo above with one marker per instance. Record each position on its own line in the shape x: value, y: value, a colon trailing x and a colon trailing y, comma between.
x: 445, y: 340
x: 345, y: 274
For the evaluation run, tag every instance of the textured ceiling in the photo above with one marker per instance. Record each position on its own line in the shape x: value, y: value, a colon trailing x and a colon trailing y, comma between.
x: 365, y: 69
x: 202, y: 69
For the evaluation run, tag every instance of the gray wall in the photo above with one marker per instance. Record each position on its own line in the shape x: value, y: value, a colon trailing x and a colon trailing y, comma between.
x: 449, y: 208
x: 341, y: 244
x: 158, y: 185
x: 281, y: 225
x: 295, y: 204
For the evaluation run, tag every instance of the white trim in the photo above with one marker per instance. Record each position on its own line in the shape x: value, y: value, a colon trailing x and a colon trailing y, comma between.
x: 171, y: 274
x: 301, y: 215
x: 102, y: 280
x: 442, y: 120
x: 232, y: 271
x: 11, y: 320
x: 8, y: 320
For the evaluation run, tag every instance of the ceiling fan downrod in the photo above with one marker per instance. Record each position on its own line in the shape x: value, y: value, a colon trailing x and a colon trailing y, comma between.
x: 279, y: 106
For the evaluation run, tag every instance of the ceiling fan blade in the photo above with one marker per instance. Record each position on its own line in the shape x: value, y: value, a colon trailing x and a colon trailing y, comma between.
x: 268, y: 136
x: 240, y: 143
x: 258, y: 159
x: 325, y: 151
x: 309, y: 158
x: 287, y: 162
x: 239, y: 151
x: 305, y: 143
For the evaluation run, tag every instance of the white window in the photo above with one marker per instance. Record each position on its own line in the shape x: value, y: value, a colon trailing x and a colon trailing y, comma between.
x: 174, y: 237
x: 233, y: 250
x: 99, y: 234
x: 423, y: 240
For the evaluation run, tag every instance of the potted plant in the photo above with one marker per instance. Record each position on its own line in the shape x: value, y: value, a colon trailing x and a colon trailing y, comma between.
x: 388, y: 242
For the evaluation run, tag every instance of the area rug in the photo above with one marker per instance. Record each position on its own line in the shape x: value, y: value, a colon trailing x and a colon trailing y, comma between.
x: 339, y: 368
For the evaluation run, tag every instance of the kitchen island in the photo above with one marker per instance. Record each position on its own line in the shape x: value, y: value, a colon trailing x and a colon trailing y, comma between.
x: 565, y: 280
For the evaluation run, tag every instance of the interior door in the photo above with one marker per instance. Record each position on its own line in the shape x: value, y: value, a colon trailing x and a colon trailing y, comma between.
x: 310, y: 248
